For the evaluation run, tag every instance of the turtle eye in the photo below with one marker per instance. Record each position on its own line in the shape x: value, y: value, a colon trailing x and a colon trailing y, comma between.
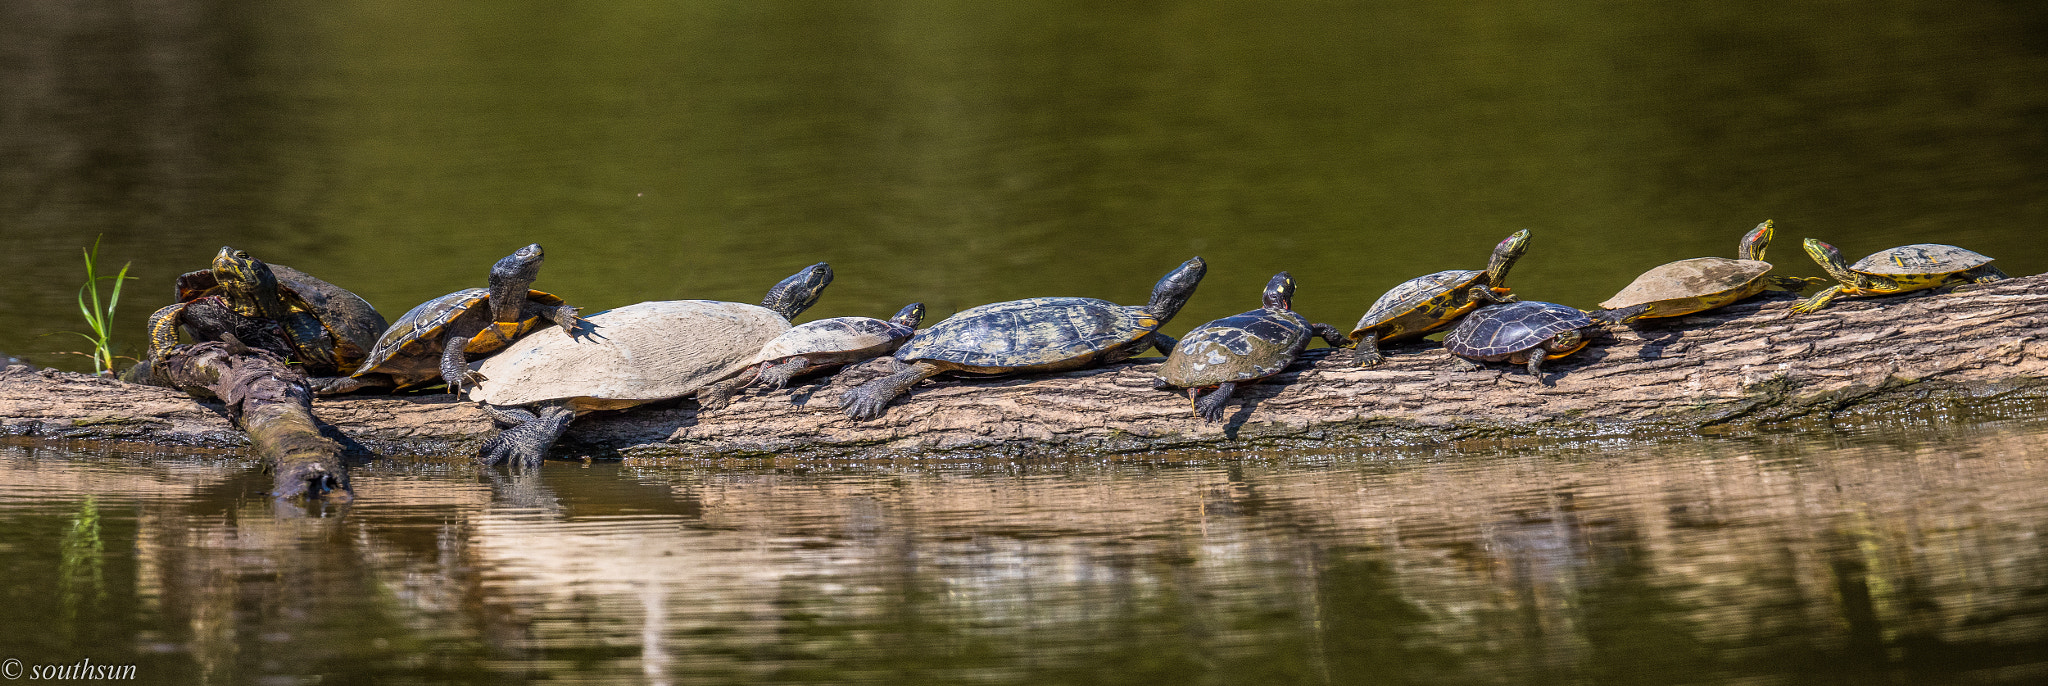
x: 240, y: 255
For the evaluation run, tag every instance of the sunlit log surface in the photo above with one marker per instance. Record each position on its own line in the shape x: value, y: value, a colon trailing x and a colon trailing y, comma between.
x: 1731, y: 370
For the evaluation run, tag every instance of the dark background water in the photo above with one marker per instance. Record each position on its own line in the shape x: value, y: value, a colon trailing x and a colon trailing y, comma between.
x: 966, y: 153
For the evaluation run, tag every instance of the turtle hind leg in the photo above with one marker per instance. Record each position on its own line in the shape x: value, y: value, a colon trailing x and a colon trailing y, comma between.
x: 1366, y: 352
x: 1794, y: 284
x: 718, y: 395
x: 871, y: 398
x: 1622, y: 315
x: 1977, y: 278
x: 778, y: 376
x: 1818, y: 301
x: 1210, y: 406
x: 1331, y: 335
x: 527, y: 444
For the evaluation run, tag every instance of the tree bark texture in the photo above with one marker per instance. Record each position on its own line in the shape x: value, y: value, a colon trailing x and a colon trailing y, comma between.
x: 269, y: 400
x: 1738, y: 368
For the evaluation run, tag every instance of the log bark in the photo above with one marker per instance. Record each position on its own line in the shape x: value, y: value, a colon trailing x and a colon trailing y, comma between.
x: 268, y: 399
x: 1741, y: 368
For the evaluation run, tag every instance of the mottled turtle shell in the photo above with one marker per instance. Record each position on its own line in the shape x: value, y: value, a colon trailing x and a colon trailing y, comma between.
x: 1694, y: 278
x: 1030, y: 333
x: 425, y: 325
x: 1240, y: 347
x: 631, y: 355
x: 1498, y: 330
x: 1429, y: 292
x: 350, y: 321
x: 836, y: 335
x: 1919, y: 259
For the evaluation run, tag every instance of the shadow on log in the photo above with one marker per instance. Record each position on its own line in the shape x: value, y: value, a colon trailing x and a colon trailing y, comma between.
x: 1740, y: 368
x: 268, y: 398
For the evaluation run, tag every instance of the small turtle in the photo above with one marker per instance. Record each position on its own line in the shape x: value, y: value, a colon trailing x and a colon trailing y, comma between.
x: 329, y: 329
x: 434, y: 341
x: 1241, y: 349
x: 1427, y: 303
x: 1032, y: 335
x: 628, y: 356
x: 1516, y: 331
x: 1899, y: 270
x: 1702, y: 283
x: 827, y: 344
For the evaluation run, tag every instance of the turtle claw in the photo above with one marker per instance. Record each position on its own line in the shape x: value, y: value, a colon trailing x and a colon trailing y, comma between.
x: 774, y: 377
x: 1367, y: 356
x: 1210, y: 407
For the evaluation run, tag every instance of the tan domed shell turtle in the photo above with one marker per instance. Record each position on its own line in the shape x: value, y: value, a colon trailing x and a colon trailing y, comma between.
x: 629, y: 356
x: 1702, y: 283
x: 1903, y: 269
x: 830, y: 343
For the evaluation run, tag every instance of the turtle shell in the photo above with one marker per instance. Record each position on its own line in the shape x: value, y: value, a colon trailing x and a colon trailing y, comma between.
x: 836, y: 335
x: 1498, y: 330
x: 1697, y: 277
x: 1920, y: 258
x: 1430, y: 296
x: 634, y: 354
x: 1034, y: 333
x: 416, y: 334
x: 1240, y: 347
x: 351, y: 324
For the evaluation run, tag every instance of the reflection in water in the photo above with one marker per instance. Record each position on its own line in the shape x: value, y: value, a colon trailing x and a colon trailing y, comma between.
x: 1866, y: 559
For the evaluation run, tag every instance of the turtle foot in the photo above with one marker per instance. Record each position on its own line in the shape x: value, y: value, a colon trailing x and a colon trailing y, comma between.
x: 1211, y: 406
x: 1363, y: 357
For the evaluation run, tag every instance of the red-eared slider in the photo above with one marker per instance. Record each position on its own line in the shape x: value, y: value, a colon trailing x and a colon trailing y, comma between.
x: 827, y: 344
x: 1702, y: 283
x: 1241, y: 349
x: 330, y: 330
x: 435, y: 341
x: 1899, y: 270
x: 629, y: 356
x: 1427, y: 303
x: 1526, y: 332
x: 1032, y: 335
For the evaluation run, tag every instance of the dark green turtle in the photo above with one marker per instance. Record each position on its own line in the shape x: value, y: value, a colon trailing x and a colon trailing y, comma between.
x: 1032, y: 335
x: 1701, y: 283
x: 435, y: 341
x: 1241, y: 349
x: 329, y: 329
x: 1427, y: 303
x: 1899, y: 270
x: 829, y: 344
x: 1527, y: 332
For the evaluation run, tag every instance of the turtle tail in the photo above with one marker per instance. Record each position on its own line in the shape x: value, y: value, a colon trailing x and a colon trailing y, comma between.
x: 1621, y: 315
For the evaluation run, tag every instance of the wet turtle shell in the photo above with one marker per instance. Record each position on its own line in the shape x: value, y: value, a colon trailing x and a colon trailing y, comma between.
x: 1922, y: 260
x: 632, y: 355
x: 1700, y: 277
x: 409, y: 350
x: 1241, y: 347
x: 346, y: 328
x: 1034, y: 334
x: 851, y: 336
x: 1498, y: 331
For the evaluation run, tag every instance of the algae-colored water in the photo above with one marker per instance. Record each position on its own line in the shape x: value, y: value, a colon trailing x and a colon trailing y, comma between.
x: 959, y: 154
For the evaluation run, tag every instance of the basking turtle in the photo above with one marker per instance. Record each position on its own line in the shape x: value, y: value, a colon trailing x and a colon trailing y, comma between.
x: 1241, y: 349
x: 1427, y: 303
x: 1702, y: 283
x: 1899, y: 270
x: 827, y: 344
x: 1526, y: 332
x: 629, y: 356
x: 329, y: 329
x: 1032, y: 335
x: 434, y: 341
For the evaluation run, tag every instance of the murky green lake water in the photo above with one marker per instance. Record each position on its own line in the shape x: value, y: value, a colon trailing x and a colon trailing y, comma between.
x: 960, y: 154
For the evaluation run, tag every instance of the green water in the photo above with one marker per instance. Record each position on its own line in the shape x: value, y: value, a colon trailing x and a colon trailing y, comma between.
x: 964, y: 153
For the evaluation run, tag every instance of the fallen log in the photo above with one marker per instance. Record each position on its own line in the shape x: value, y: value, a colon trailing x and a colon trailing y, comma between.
x: 1738, y: 368
x: 268, y: 399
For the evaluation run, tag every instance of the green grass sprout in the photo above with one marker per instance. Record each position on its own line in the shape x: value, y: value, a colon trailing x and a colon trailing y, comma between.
x: 96, y: 316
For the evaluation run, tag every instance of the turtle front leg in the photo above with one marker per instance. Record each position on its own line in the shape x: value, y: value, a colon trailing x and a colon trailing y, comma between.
x: 567, y: 317
x: 871, y: 398
x: 1331, y: 335
x: 1366, y: 352
x: 718, y: 395
x: 778, y: 376
x: 1210, y: 406
x: 1461, y: 364
x: 1819, y: 300
x: 1622, y: 315
x: 1536, y: 367
x: 1163, y: 342
x: 163, y: 329
x: 1484, y: 295
x: 455, y: 369
x: 528, y: 443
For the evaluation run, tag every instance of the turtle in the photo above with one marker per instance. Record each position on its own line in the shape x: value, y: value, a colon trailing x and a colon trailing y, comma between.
x: 1032, y: 335
x: 329, y: 329
x: 1241, y: 349
x: 629, y: 356
x: 1701, y: 283
x: 434, y: 341
x: 1526, y: 332
x: 1903, y: 269
x: 826, y: 344
x: 1427, y: 303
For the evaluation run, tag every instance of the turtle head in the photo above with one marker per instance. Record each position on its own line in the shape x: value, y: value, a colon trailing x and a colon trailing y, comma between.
x: 1280, y: 292
x: 799, y: 292
x: 1831, y: 260
x: 251, y: 286
x: 510, y: 278
x: 1174, y: 289
x: 1504, y: 256
x: 1759, y: 238
x: 911, y: 315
